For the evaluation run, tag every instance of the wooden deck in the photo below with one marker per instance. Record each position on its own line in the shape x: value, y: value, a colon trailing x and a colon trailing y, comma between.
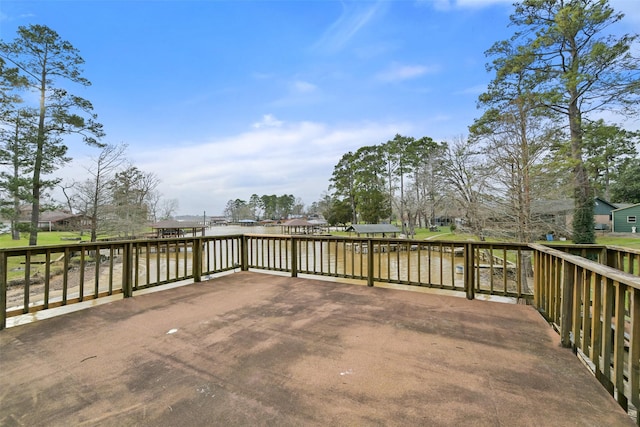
x: 259, y: 349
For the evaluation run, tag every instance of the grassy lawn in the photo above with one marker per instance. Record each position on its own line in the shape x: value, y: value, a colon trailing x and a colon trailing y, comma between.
x: 45, y: 238
x: 444, y: 233
x: 423, y: 233
x: 626, y: 242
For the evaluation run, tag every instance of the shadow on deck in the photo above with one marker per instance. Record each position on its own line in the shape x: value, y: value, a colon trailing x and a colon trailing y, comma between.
x: 258, y: 349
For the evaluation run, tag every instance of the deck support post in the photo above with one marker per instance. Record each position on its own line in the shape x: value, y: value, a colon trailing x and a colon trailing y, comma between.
x: 244, y: 253
x: 3, y: 291
x: 196, y: 260
x: 127, y: 270
x: 294, y: 257
x: 567, y: 284
x: 468, y: 275
x: 369, y: 262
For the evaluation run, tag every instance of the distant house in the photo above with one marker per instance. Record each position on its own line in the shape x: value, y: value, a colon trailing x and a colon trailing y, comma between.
x: 172, y: 228
x: 218, y: 220
x: 297, y: 226
x: 556, y: 214
x: 626, y: 220
x: 384, y: 230
x: 602, y: 214
x: 57, y: 220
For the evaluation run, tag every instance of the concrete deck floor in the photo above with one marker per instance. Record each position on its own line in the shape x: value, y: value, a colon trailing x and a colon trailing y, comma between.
x: 258, y: 349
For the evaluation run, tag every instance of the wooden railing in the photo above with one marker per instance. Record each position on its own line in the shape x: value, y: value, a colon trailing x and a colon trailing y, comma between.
x: 625, y: 259
x: 596, y: 310
x: 40, y: 278
x: 493, y: 269
x: 590, y: 293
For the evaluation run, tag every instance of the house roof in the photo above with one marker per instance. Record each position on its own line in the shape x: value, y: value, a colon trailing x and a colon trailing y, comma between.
x: 299, y: 222
x: 170, y: 223
x: 602, y: 206
x: 626, y: 207
x: 373, y: 228
x: 55, y: 216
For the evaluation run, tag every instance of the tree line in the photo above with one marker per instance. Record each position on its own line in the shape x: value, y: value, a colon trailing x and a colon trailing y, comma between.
x: 118, y: 197
x: 540, y: 138
x: 268, y: 206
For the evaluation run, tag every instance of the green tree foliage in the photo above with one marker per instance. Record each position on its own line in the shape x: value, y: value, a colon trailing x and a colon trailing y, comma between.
x: 335, y: 211
x: 430, y: 183
x: 367, y: 179
x: 16, y: 141
x: 606, y: 148
x: 129, y: 211
x: 270, y: 205
x: 626, y: 189
x: 46, y: 64
x: 343, y: 183
x: 285, y: 204
x: 370, y: 193
x: 255, y: 204
x: 573, y: 67
x: 402, y: 155
x: 514, y: 133
x: 237, y: 210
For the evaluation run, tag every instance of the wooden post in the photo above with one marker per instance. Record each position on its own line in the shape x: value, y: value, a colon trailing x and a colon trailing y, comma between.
x: 244, y: 253
x: 634, y: 350
x: 468, y: 275
x: 576, y: 306
x: 196, y: 259
x: 567, y: 304
x: 294, y: 257
x: 538, y: 260
x: 618, y: 344
x: 370, y: 262
x: 596, y: 325
x: 127, y: 270
x: 607, y: 335
x: 3, y: 290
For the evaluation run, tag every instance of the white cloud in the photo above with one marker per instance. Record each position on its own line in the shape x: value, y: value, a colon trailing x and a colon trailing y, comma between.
x: 446, y: 5
x: 472, y: 90
x: 290, y: 158
x: 355, y: 16
x: 298, y: 92
x: 268, y: 120
x: 303, y: 87
x: 481, y: 3
x: 397, y: 72
x: 628, y: 7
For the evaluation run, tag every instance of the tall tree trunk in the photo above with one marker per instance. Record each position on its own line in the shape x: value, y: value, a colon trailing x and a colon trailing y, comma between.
x: 37, y: 166
x: 583, y: 222
x: 15, y: 233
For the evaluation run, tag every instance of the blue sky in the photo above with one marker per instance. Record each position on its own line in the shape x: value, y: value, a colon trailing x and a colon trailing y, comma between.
x: 224, y: 99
